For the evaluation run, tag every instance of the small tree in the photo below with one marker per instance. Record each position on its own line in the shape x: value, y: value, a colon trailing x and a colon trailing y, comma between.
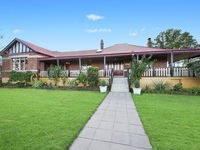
x: 93, y: 76
x: 55, y: 73
x: 138, y: 67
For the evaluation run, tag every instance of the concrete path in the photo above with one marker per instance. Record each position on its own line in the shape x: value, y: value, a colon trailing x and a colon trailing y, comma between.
x: 114, y: 126
x: 120, y: 84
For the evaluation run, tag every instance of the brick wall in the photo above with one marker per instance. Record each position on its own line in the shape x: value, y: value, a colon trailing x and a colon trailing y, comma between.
x: 32, y: 64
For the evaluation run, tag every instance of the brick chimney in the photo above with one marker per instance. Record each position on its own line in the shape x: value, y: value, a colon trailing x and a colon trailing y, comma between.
x: 102, y: 45
x: 149, y: 42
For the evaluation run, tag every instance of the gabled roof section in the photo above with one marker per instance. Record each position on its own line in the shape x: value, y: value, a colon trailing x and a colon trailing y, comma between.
x: 35, y: 48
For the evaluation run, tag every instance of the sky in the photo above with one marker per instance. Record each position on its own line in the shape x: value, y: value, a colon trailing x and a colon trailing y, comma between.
x: 66, y: 25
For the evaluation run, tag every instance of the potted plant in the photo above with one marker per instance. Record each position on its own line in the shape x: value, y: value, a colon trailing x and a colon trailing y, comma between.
x: 103, y: 86
x: 137, y: 89
x: 138, y: 67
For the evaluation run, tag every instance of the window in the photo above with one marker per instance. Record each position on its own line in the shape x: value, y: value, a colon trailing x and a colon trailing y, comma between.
x: 19, y: 64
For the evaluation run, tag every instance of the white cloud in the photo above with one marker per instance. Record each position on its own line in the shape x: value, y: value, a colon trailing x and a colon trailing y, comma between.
x: 99, y: 30
x: 94, y: 17
x: 133, y: 33
x: 17, y: 31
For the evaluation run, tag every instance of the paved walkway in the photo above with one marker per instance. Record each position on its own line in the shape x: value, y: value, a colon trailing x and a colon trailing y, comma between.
x: 114, y: 126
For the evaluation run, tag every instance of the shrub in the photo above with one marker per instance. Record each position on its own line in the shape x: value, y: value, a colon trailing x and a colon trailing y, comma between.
x: 193, y: 91
x: 161, y: 86
x: 38, y: 84
x: 64, y: 79
x: 103, y: 83
x: 20, y: 76
x: 20, y: 85
x: 82, y: 78
x: 55, y: 73
x: 178, y: 87
x: 93, y: 76
x: 72, y: 82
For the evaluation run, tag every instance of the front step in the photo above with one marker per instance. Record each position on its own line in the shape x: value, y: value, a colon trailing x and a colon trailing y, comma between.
x: 120, y: 84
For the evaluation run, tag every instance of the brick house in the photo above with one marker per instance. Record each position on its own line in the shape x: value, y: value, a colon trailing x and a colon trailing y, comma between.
x: 20, y: 55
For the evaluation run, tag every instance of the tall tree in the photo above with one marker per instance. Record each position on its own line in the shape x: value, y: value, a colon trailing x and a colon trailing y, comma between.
x: 175, y: 39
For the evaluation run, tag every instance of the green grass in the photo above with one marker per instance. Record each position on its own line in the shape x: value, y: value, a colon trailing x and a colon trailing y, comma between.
x: 33, y: 119
x: 172, y: 122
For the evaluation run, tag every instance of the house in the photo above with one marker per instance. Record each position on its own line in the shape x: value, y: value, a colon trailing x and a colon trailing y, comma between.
x: 20, y: 55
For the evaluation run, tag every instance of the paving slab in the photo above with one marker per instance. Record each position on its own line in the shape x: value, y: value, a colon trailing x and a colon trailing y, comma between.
x: 115, y: 125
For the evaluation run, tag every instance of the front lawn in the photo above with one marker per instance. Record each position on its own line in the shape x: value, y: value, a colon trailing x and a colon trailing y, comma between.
x: 172, y: 122
x: 33, y: 119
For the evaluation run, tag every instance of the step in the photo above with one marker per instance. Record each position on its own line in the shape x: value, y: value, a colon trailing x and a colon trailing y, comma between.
x: 120, y: 84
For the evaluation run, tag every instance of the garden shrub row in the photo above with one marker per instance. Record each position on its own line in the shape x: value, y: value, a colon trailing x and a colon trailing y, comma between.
x: 176, y: 89
x: 28, y: 79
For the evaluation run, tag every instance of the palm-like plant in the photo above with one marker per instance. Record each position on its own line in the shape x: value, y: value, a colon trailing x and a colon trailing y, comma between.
x: 138, y: 67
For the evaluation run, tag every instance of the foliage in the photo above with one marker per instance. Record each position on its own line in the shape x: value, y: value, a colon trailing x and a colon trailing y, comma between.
x: 195, y: 66
x: 72, y: 82
x: 34, y: 77
x: 137, y: 83
x: 173, y: 119
x: 138, y: 67
x: 192, y: 91
x: 103, y: 83
x: 93, y: 76
x: 64, y: 79
x: 175, y: 39
x: 178, y: 87
x: 82, y: 78
x: 38, y: 84
x: 35, y: 113
x: 161, y: 86
x: 55, y: 73
x: 20, y: 76
x: 6, y: 84
x: 20, y: 85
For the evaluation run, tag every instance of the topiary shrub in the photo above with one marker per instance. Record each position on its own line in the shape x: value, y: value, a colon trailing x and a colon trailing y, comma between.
x: 82, y: 78
x: 103, y: 83
x: 93, y: 76
x: 137, y: 83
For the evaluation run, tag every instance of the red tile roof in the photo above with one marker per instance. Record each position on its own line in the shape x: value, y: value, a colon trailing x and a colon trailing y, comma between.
x: 117, y: 49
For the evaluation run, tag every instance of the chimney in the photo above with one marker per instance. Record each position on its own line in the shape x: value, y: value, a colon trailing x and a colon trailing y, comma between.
x: 149, y: 42
x: 102, y: 45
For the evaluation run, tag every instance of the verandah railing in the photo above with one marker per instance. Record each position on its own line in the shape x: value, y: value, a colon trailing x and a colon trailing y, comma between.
x: 75, y: 73
x: 169, y: 72
x: 151, y: 72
